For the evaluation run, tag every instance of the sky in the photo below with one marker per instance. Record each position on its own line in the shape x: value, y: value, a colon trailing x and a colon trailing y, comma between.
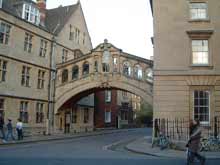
x: 127, y: 24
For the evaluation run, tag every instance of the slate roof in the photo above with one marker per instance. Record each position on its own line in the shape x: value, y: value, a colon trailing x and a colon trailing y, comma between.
x: 57, y: 18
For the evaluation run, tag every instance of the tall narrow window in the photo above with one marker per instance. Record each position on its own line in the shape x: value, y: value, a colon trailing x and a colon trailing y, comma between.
x: 198, y: 11
x: 4, y: 33
x: 64, y: 55
x: 107, y: 116
x: 24, y: 111
x: 2, y: 107
x: 39, y: 112
x: 126, y: 68
x: 149, y: 75
x: 86, y: 115
x: 96, y: 66
x: 64, y: 76
x: 108, y: 96
x: 41, y: 79
x: 71, y: 34
x: 84, y: 38
x: 77, y: 35
x: 25, y: 77
x: 85, y: 68
x: 115, y: 64
x: 200, y: 52
x: 75, y: 72
x: 3, y: 70
x: 43, y: 48
x: 138, y: 72
x: 202, y: 106
x: 28, y: 42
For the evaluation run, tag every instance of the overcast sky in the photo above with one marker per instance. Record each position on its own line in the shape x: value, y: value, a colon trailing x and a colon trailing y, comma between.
x: 127, y: 24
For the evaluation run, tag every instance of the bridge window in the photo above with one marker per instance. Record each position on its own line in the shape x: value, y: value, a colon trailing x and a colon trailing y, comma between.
x: 138, y: 72
x: 115, y: 64
x: 149, y: 75
x: 127, y: 68
x: 96, y: 66
x: 105, y: 67
x: 85, y: 68
x: 75, y: 72
x: 64, y: 75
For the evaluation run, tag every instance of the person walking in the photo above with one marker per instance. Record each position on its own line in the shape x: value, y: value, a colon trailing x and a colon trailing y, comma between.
x: 19, y: 128
x: 2, y: 123
x: 10, y: 130
x: 194, y: 144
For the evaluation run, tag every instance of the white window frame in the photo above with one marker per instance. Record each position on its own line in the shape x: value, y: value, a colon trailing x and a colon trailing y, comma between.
x: 198, y: 10
x: 201, y: 52
x: 5, y: 31
x: 33, y: 14
x: 202, y: 122
x: 108, y: 116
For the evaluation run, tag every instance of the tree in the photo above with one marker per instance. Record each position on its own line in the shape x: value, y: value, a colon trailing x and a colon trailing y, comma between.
x: 145, y: 115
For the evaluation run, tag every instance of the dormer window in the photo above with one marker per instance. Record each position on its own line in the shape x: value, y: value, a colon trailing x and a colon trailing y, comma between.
x: 31, y: 14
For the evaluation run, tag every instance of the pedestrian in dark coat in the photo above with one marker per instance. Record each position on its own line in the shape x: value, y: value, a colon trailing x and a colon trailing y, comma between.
x: 194, y: 144
x: 10, y: 130
x: 2, y: 123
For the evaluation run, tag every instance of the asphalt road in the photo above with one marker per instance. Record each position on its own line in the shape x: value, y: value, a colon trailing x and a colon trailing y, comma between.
x: 84, y: 151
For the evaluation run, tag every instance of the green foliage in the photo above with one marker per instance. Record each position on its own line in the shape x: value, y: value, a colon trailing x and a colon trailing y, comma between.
x: 145, y: 115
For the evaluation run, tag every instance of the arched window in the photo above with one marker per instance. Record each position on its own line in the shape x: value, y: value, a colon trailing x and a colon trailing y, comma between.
x: 75, y: 72
x: 64, y: 75
x: 126, y: 68
x: 149, y: 74
x: 85, y: 70
x: 138, y: 73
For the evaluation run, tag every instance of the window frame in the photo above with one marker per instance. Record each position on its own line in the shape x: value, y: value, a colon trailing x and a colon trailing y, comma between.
x: 43, y: 48
x: 209, y: 105
x: 23, y: 112
x: 41, y: 79
x: 2, y: 109
x: 6, y: 29
x: 3, y: 70
x: 64, y: 55
x: 39, y: 112
x: 108, y: 119
x: 25, y: 76
x: 31, y: 13
x: 108, y: 96
x: 197, y: 12
x: 86, y: 115
x: 28, y: 38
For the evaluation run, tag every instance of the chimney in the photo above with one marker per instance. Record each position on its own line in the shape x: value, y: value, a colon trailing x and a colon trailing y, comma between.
x: 42, y: 7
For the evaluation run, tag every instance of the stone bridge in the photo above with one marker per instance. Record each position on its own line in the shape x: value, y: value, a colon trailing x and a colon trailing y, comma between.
x: 104, y: 67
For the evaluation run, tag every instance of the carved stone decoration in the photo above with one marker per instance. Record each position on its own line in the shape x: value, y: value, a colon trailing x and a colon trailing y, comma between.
x: 201, y: 80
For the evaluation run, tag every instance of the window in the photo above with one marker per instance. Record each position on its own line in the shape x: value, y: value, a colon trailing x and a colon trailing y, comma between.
x: 41, y: 79
x: 149, y: 75
x: 71, y: 35
x: 4, y: 33
x: 3, y: 70
x: 85, y: 68
x: 138, y: 72
x: 107, y: 116
x: 84, y: 38
x: 198, y: 11
x: 202, y: 105
x: 126, y: 68
x: 64, y: 75
x: 77, y: 35
x: 200, y: 53
x: 28, y: 42
x: 125, y: 94
x: 43, y: 48
x: 96, y: 66
x: 64, y: 55
x: 25, y: 77
x: 124, y: 115
x: 75, y: 72
x: 39, y: 112
x: 108, y: 96
x: 31, y: 14
x: 24, y: 111
x: 105, y: 67
x: 115, y: 64
x: 74, y: 116
x: 86, y: 115
x: 2, y: 107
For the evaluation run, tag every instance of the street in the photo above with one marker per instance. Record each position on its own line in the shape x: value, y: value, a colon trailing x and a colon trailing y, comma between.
x: 87, y: 150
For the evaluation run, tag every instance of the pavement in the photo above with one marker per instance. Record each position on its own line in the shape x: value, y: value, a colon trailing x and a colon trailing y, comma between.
x: 42, y: 138
x: 143, y: 146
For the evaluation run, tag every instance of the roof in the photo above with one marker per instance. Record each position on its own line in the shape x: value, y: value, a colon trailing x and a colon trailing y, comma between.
x: 56, y: 18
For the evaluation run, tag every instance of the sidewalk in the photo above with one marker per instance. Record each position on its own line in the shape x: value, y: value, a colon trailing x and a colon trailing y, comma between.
x: 42, y: 138
x: 143, y: 146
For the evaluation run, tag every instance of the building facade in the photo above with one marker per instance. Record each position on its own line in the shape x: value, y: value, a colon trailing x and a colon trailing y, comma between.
x: 32, y: 42
x: 186, y: 60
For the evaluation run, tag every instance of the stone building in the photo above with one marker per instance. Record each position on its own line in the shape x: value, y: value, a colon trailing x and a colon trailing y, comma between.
x: 33, y: 40
x: 186, y: 59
